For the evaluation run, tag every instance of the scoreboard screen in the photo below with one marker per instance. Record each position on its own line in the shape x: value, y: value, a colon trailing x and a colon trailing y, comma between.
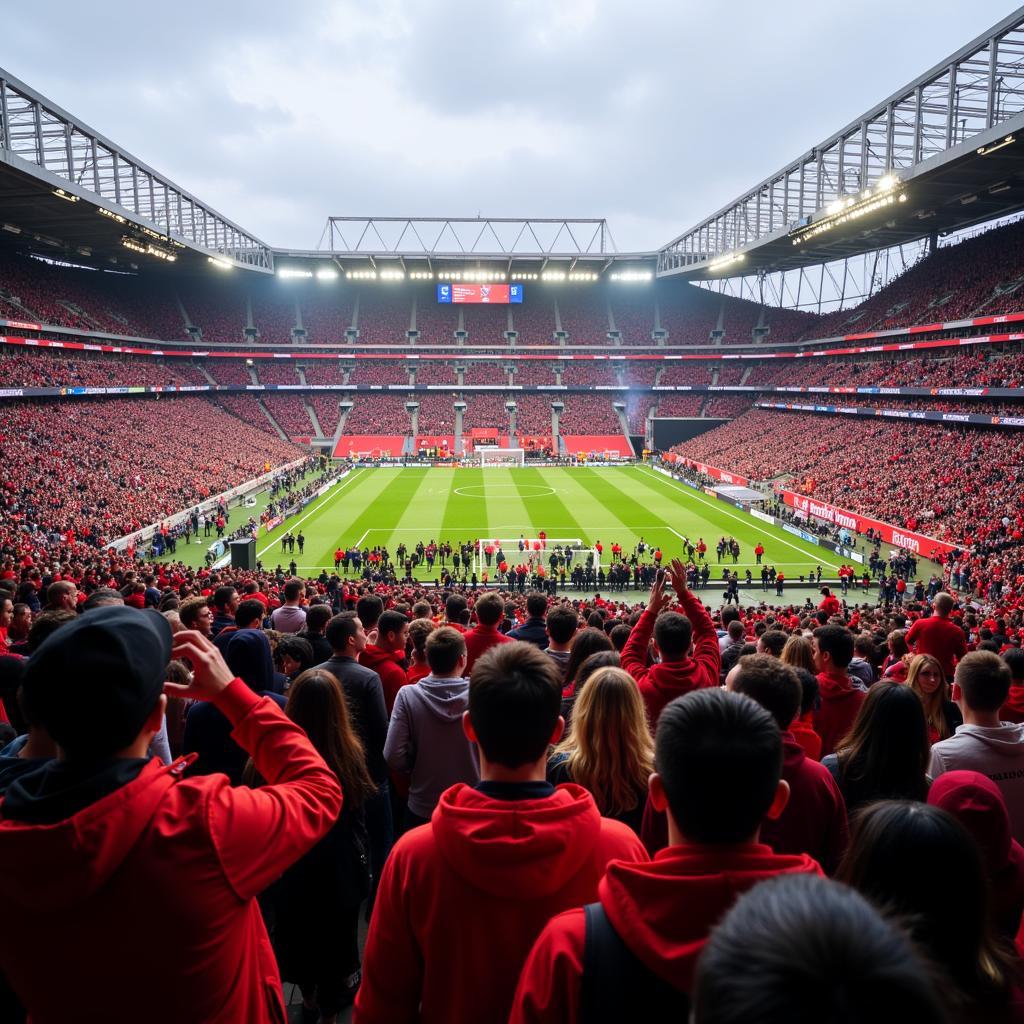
x: 495, y: 294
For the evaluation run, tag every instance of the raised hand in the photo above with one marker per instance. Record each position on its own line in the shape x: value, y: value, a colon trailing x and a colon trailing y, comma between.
x: 210, y: 673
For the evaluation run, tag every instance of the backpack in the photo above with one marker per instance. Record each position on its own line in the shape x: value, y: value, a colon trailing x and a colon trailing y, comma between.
x: 616, y: 986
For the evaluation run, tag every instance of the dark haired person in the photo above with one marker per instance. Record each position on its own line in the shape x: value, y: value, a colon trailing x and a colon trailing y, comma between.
x: 803, y: 950
x: 561, y: 627
x: 490, y: 611
x: 903, y: 857
x: 291, y: 616
x: 938, y: 636
x: 718, y: 775
x: 102, y: 831
x: 984, y: 743
x: 814, y: 820
x: 463, y: 899
x: 249, y: 614
x: 456, y: 612
x: 885, y: 754
x: 225, y: 603
x: 687, y: 646
x: 387, y: 656
x: 534, y: 629
x: 425, y: 736
x: 840, y: 698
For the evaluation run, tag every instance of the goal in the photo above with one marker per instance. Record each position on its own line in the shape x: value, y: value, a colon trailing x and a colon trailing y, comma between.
x: 533, y: 552
x: 501, y: 456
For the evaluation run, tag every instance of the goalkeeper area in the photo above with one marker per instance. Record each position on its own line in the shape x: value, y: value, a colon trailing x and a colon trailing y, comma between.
x: 582, y: 507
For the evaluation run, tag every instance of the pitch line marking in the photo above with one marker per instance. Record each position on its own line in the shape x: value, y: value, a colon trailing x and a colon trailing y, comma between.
x: 318, y: 505
x: 541, y: 491
x: 732, y: 515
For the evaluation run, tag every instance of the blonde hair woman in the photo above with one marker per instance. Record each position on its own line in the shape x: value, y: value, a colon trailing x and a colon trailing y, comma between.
x: 608, y: 750
x: 799, y: 653
x: 926, y: 678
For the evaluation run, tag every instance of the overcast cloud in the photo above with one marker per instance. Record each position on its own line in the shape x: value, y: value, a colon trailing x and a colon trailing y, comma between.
x: 650, y: 113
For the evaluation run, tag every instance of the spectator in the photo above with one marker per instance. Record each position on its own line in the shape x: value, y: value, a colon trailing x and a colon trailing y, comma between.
x: 840, y: 699
x: 365, y: 697
x: 534, y: 629
x: 419, y: 630
x: 225, y: 604
x: 814, y: 819
x: 425, y: 737
x: 1013, y: 709
x: 607, y: 749
x: 248, y: 615
x: 315, y: 905
x: 773, y: 642
x: 718, y: 766
x: 802, y: 726
x: 937, y: 636
x: 293, y: 655
x: 386, y: 656
x: 462, y: 900
x: 901, y: 856
x: 862, y: 666
x: 317, y: 617
x: 490, y: 610
x: 561, y: 626
x: 737, y: 637
x: 675, y: 637
x: 977, y: 804
x: 885, y: 755
x: 195, y: 614
x: 62, y: 596
x: 925, y: 678
x: 983, y: 743
x: 87, y: 839
x: 586, y: 642
x: 290, y: 617
x: 799, y: 652
x: 801, y: 950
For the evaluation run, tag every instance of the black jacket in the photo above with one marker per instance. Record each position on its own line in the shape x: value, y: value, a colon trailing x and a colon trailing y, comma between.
x: 532, y: 631
x: 365, y: 696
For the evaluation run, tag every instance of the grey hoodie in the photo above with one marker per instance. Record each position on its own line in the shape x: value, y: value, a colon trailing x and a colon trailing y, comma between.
x: 995, y: 751
x: 425, y: 739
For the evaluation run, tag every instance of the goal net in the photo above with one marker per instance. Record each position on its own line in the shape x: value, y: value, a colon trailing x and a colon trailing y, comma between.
x: 538, y: 555
x: 501, y: 456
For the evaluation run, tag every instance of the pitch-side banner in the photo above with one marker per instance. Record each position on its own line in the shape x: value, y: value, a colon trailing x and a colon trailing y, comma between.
x: 926, y: 547
x: 718, y: 474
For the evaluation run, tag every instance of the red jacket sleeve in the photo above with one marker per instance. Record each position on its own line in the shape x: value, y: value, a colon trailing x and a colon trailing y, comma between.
x: 634, y: 654
x: 549, y: 987
x: 914, y: 633
x: 283, y: 819
x: 392, y: 962
x: 706, y: 652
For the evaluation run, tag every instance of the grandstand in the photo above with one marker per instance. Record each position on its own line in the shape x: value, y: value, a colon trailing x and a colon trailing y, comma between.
x: 829, y: 368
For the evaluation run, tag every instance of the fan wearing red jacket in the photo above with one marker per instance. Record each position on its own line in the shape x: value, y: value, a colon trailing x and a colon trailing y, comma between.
x: 840, y: 699
x: 98, y: 844
x: 687, y: 645
x: 386, y: 656
x: 489, y: 611
x: 718, y: 773
x: 463, y: 898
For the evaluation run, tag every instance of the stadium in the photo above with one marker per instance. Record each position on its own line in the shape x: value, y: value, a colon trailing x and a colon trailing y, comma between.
x: 795, y: 430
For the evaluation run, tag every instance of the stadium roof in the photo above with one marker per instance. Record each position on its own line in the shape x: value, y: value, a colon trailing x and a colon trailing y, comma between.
x: 942, y: 154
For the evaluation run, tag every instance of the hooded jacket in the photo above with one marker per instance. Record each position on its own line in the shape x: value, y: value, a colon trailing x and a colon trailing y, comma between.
x: 996, y: 752
x: 977, y: 803
x: 480, y: 640
x: 462, y: 900
x: 665, y: 681
x: 385, y: 664
x: 425, y: 740
x: 191, y: 854
x: 208, y: 731
x: 814, y: 820
x: 662, y: 910
x: 840, y: 702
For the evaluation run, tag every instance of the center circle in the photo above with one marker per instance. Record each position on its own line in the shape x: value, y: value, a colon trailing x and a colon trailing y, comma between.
x: 504, y: 490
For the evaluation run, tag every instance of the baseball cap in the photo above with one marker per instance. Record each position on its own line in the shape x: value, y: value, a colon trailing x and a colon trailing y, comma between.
x: 92, y: 683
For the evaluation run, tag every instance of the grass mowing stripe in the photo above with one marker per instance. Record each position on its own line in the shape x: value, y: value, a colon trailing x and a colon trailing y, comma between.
x: 547, y: 511
x: 465, y: 504
x: 425, y: 510
x: 505, y: 514
x: 746, y: 523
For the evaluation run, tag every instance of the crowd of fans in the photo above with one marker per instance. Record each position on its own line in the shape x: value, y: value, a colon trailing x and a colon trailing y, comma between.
x: 53, y: 368
x: 289, y: 410
x: 726, y: 405
x: 378, y: 414
x: 588, y: 414
x: 276, y: 371
x: 531, y: 800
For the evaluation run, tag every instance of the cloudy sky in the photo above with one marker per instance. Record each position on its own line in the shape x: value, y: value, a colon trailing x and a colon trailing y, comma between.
x: 652, y: 113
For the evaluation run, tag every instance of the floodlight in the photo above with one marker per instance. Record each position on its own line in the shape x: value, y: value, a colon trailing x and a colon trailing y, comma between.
x: 219, y: 263
x: 326, y: 274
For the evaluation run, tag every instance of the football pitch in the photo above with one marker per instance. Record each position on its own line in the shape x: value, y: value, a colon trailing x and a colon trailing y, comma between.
x: 385, y: 507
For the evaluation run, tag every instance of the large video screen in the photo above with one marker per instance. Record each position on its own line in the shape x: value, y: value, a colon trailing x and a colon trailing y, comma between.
x: 497, y: 294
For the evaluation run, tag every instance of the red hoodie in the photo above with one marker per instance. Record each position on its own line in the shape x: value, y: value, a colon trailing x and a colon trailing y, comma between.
x: 1013, y: 709
x: 481, y: 640
x: 840, y: 702
x: 803, y: 732
x: 814, y: 820
x: 662, y: 910
x: 462, y: 900
x: 385, y: 664
x: 665, y: 681
x: 152, y: 889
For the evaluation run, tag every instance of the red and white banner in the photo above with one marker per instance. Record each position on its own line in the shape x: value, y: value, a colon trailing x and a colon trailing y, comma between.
x: 918, y: 543
x: 718, y: 474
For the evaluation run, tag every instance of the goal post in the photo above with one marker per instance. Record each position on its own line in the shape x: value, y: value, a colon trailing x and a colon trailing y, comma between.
x: 490, y: 456
x: 532, y: 552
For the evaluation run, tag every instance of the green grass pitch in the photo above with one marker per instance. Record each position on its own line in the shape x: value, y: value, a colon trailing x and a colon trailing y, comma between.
x: 386, y: 506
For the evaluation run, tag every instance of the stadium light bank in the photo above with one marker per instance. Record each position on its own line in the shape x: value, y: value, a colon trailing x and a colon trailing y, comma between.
x: 848, y: 208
